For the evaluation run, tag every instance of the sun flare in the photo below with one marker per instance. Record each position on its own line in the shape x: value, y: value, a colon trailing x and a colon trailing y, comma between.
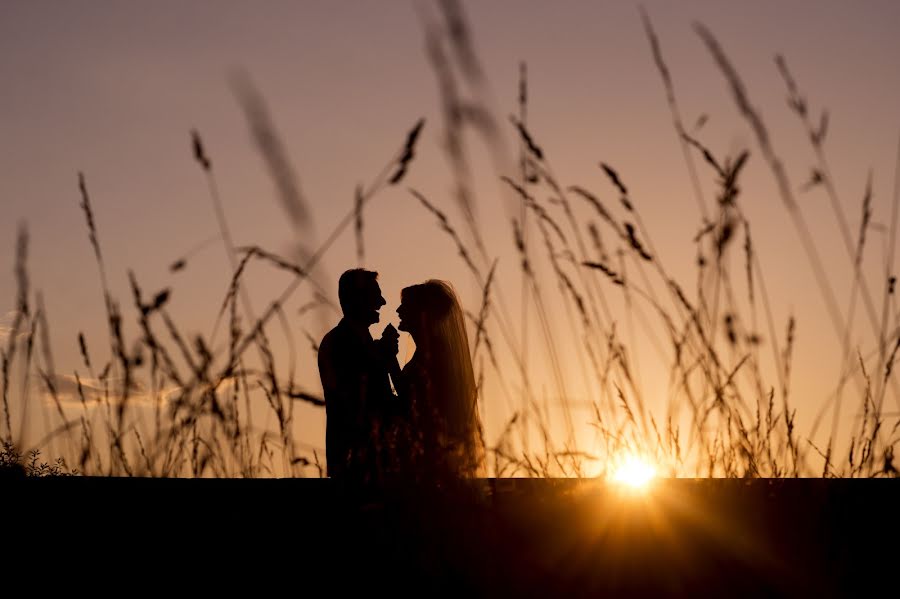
x: 634, y: 472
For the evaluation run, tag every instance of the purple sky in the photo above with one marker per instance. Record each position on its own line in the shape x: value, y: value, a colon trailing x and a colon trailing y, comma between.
x: 113, y: 89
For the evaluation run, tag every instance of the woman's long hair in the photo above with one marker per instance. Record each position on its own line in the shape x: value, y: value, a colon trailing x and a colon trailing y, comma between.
x: 447, y: 394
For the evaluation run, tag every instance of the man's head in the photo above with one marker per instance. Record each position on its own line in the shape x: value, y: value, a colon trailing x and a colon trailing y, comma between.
x: 360, y: 295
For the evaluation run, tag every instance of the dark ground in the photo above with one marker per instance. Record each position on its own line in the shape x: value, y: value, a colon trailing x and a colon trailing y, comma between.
x: 497, y: 537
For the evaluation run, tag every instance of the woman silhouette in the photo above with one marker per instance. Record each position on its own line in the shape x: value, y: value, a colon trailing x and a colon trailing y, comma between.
x: 438, y: 386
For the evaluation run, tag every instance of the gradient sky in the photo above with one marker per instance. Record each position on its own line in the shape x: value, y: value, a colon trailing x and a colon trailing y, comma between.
x: 113, y: 89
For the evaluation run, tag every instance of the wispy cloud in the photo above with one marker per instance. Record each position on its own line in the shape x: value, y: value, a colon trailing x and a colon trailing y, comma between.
x: 6, y: 326
x: 94, y: 391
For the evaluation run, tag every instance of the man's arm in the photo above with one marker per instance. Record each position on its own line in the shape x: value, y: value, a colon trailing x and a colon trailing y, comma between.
x: 336, y: 446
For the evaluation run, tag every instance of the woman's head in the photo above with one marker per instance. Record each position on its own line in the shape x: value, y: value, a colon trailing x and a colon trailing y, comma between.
x: 424, y: 307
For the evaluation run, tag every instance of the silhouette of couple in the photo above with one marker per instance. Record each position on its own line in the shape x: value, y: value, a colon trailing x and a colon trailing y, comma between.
x: 430, y: 428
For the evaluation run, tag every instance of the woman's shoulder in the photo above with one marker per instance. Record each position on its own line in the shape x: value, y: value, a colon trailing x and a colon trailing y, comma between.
x: 412, y: 365
x: 415, y: 377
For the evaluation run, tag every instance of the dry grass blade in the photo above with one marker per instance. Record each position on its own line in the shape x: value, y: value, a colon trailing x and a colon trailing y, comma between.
x: 748, y: 261
x: 278, y: 261
x: 815, y: 178
x: 273, y: 151
x: 408, y: 152
x: 519, y: 241
x: 795, y: 100
x: 594, y: 232
x: 234, y: 284
x: 614, y: 178
x: 635, y: 244
x: 456, y: 113
x: 461, y: 39
x: 49, y: 371
x: 199, y: 151
x: 445, y: 225
x: 598, y: 206
x: 707, y: 155
x: 739, y: 93
x: 788, y: 352
x: 526, y: 138
x: 358, y: 226
x: 890, y: 361
x: 864, y: 221
x: 704, y: 231
x: 82, y: 346
x: 112, y: 318
x: 22, y: 311
x: 677, y: 122
x: 542, y: 213
x: 658, y: 58
x: 89, y: 216
x: 616, y: 279
x: 483, y: 312
x: 307, y: 397
x: 528, y: 170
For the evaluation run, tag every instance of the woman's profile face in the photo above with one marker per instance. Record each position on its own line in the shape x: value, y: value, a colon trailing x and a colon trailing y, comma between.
x: 406, y: 315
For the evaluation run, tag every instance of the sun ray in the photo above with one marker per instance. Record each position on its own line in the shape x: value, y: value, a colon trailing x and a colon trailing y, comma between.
x: 634, y: 472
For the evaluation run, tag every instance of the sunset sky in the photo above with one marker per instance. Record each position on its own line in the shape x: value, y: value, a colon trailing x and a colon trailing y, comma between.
x: 113, y: 90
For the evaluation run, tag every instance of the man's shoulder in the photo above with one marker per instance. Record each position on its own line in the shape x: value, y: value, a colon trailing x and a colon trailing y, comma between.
x: 331, y: 341
x: 329, y: 337
x: 341, y: 337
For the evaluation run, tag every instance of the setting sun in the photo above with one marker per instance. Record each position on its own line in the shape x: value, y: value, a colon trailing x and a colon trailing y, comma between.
x: 634, y: 472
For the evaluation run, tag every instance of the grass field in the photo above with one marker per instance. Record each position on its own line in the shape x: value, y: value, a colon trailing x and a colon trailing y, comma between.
x: 583, y: 257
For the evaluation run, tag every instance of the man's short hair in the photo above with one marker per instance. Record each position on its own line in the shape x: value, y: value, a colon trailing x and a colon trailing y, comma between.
x: 351, y: 283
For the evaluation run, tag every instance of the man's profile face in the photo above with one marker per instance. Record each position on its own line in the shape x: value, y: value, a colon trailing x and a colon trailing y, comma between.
x: 370, y: 301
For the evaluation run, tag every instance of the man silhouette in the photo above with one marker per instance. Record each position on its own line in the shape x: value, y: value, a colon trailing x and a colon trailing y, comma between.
x: 354, y: 372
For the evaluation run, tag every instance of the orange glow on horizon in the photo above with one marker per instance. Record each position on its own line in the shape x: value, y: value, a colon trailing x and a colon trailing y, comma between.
x: 634, y: 472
